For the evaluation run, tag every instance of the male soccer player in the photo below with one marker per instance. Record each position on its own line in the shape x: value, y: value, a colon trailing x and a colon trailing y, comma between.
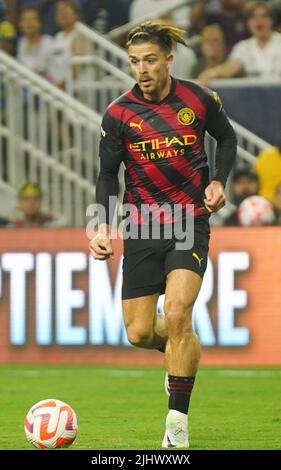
x: 157, y: 130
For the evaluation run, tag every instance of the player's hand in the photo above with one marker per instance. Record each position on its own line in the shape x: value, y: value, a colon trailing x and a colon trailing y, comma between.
x: 214, y: 196
x: 101, y: 247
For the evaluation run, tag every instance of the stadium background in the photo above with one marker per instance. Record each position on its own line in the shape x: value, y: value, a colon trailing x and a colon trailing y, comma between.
x: 61, y: 327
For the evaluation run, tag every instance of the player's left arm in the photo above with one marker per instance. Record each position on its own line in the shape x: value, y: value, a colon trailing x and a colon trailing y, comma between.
x: 220, y: 128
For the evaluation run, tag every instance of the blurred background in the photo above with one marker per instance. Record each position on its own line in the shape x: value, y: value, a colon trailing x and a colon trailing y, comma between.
x: 61, y: 64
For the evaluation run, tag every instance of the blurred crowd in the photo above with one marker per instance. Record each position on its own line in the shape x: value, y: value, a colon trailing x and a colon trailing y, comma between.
x: 42, y: 36
x: 235, y: 38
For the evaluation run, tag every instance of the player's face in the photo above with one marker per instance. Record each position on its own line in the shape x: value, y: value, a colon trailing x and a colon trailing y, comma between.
x: 150, y: 66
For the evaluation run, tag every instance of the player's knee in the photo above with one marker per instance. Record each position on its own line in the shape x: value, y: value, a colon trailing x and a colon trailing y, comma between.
x: 178, y: 307
x: 138, y: 336
x: 178, y: 316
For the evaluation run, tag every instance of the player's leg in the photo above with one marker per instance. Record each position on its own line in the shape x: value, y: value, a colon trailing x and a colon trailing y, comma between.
x: 182, y: 352
x: 145, y: 329
x: 183, y: 349
x: 185, y: 270
x: 143, y: 281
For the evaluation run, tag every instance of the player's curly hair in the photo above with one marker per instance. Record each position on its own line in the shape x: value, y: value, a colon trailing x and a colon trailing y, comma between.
x: 165, y: 35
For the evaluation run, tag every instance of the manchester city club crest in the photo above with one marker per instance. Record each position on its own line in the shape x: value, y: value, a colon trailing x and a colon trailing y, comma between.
x: 186, y: 116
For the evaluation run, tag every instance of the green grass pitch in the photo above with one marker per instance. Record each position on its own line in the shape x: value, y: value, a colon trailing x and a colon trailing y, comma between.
x: 125, y: 408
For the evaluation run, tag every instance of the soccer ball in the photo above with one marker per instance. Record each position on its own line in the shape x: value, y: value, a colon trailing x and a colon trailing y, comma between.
x: 51, y: 424
x: 255, y: 211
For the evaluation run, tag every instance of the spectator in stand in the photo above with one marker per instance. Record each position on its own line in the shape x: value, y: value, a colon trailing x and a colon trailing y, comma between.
x: 30, y: 199
x: 277, y: 203
x: 33, y: 47
x: 104, y: 15
x: 212, y: 50
x: 245, y: 183
x: 198, y: 10
x: 8, y: 37
x: 67, y: 42
x: 230, y: 17
x: 268, y: 168
x: 258, y: 56
x: 46, y: 8
x: 140, y: 8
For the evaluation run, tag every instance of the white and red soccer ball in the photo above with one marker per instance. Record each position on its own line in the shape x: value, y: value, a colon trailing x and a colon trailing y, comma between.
x: 255, y: 211
x: 51, y: 424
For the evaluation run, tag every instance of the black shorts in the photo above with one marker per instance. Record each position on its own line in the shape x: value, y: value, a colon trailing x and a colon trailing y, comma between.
x: 146, y: 263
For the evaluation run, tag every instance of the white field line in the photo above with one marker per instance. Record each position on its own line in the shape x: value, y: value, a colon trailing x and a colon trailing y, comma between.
x: 71, y: 372
x: 247, y: 373
x: 54, y: 372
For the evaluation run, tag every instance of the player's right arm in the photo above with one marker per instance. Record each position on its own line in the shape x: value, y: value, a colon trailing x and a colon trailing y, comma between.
x: 111, y: 152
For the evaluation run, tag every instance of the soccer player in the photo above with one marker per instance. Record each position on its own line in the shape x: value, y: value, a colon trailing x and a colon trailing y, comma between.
x: 157, y: 130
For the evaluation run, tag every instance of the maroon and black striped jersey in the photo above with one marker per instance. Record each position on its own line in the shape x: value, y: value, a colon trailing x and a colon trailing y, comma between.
x: 162, y: 146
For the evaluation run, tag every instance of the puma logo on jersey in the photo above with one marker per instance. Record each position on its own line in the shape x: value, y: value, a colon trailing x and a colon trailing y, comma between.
x: 197, y: 257
x: 134, y: 124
